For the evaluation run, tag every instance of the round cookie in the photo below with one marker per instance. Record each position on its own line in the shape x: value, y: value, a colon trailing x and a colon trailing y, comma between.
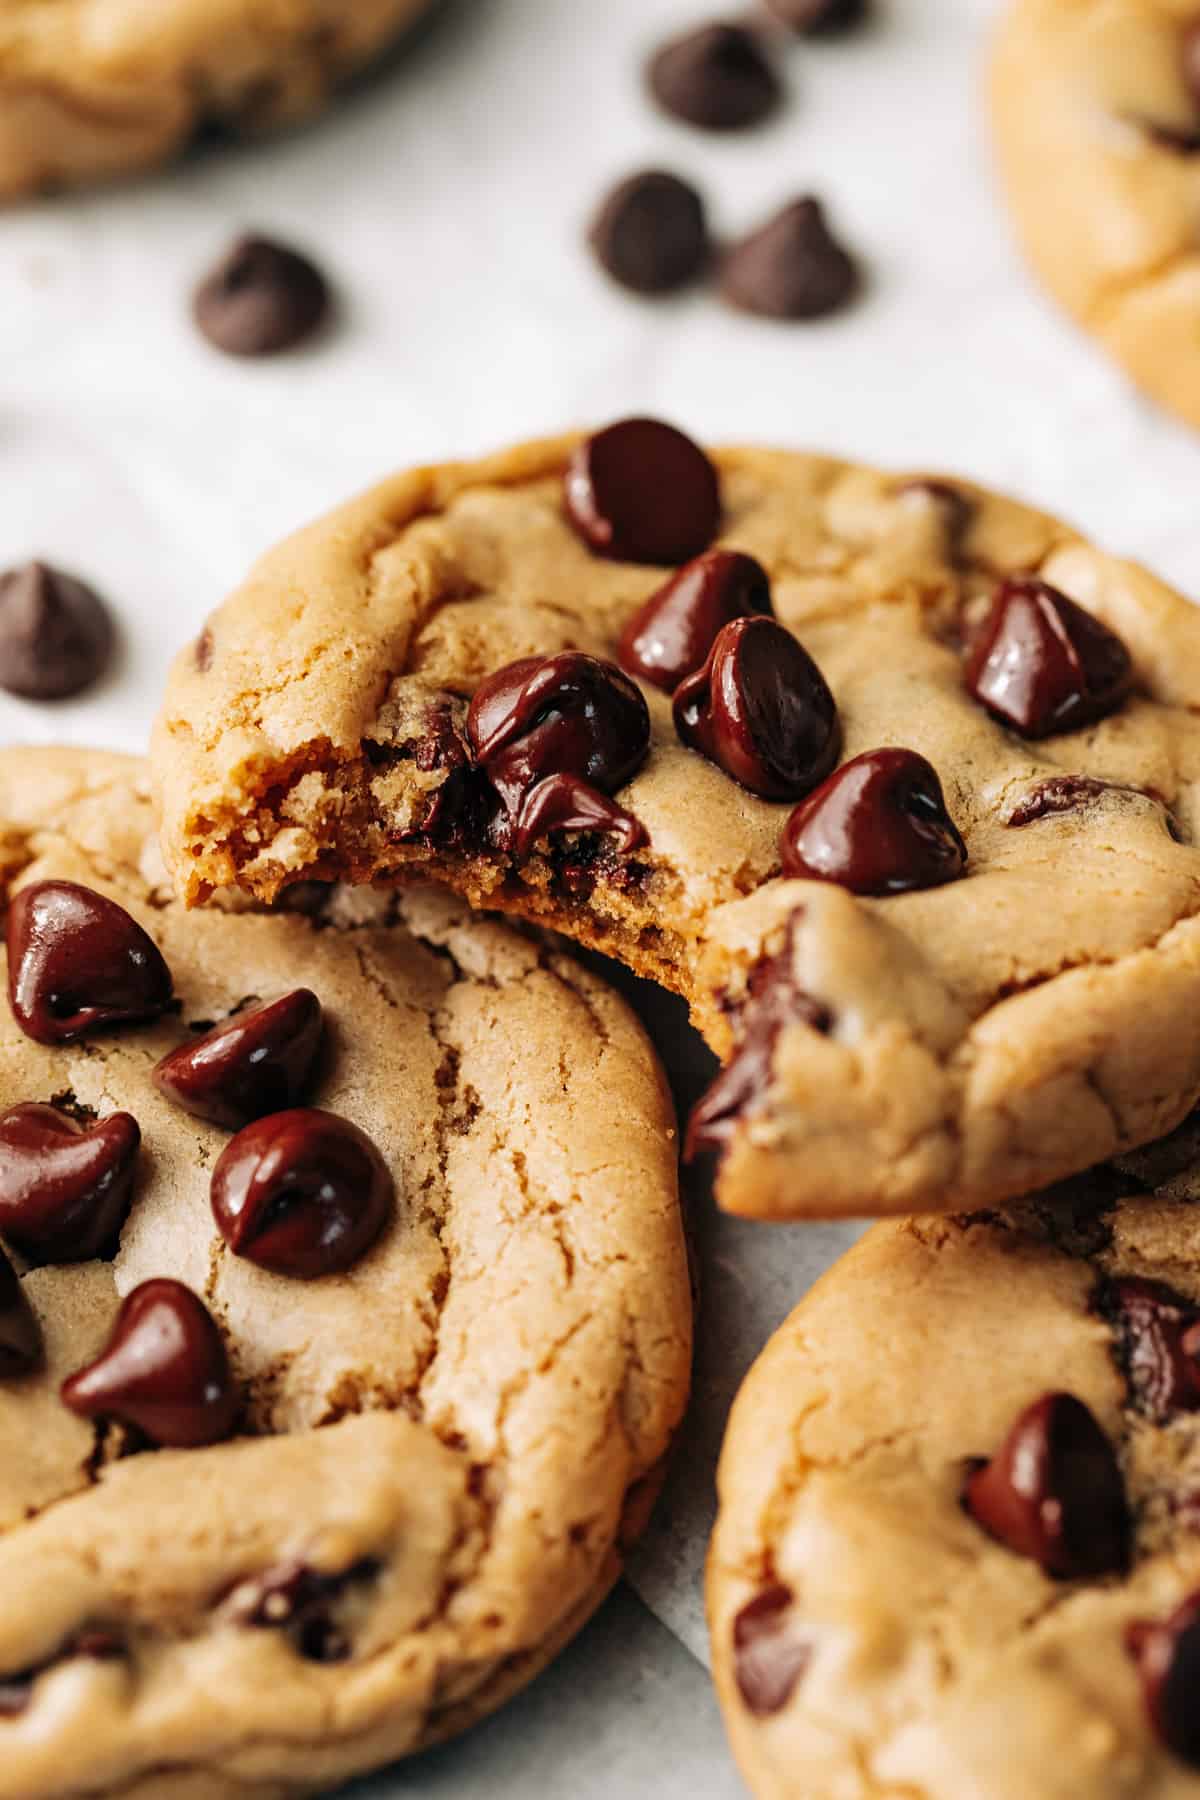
x: 92, y: 88
x: 442, y: 1450
x: 1096, y: 110
x: 957, y: 1516
x: 946, y: 1046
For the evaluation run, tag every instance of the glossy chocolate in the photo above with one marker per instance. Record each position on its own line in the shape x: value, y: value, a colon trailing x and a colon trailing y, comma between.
x: 770, y: 1657
x: 1041, y: 664
x: 564, y: 803
x: 642, y: 492
x: 1057, y: 794
x: 303, y: 1193
x: 1168, y: 1660
x: 295, y: 1598
x: 164, y: 1371
x: 65, y: 1188
x: 1158, y: 1344
x: 253, y: 1063
x: 77, y: 962
x: 878, y: 825
x: 20, y: 1339
x: 670, y: 636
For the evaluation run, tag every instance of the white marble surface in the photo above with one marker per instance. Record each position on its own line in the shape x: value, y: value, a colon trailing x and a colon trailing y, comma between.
x: 447, y: 199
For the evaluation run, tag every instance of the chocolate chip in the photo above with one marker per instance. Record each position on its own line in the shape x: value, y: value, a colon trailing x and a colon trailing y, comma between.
x: 64, y: 1188
x: 640, y: 491
x: 770, y: 1657
x: 820, y: 17
x: 1058, y: 794
x: 671, y: 635
x: 1168, y: 1660
x: 761, y: 710
x: 302, y: 1193
x: 202, y: 651
x: 879, y: 825
x: 16, y: 1691
x: 1189, y: 60
x: 719, y: 77
x: 254, y: 1063
x: 1158, y: 1344
x: 1041, y: 664
x: 790, y: 268
x: 260, y: 298
x: 164, y: 1370
x: 651, y: 233
x: 564, y: 803
x: 20, y: 1339
x: 78, y: 962
x: 955, y: 509
x: 1054, y: 1492
x: 295, y: 1598
x: 56, y: 636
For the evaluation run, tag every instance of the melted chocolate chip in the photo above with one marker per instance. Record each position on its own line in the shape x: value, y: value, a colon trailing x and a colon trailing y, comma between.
x: 261, y: 298
x: 56, y: 636
x: 78, y: 962
x: 298, y: 1599
x: 303, y: 1193
x: 761, y: 710
x: 651, y: 233
x: 879, y: 825
x: 791, y: 268
x: 670, y: 636
x: 770, y: 1657
x: 1054, y: 1492
x: 718, y: 77
x: 1042, y: 665
x: 16, y: 1691
x: 1158, y: 1344
x: 64, y: 1188
x: 164, y: 1370
x: 1058, y: 794
x: 564, y: 803
x: 1168, y: 1660
x: 818, y: 18
x: 254, y: 1063
x: 642, y: 492
x: 20, y: 1339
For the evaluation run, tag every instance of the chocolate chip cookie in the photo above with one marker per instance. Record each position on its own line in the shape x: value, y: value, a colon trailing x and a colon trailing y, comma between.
x: 893, y: 779
x: 341, y: 1340
x: 956, y: 1551
x: 1097, y: 124
x: 92, y: 88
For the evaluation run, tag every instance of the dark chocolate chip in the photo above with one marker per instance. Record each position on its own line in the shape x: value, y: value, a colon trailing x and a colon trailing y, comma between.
x: 164, y: 1370
x: 302, y: 1193
x: 642, y: 492
x: 295, y: 1598
x: 1058, y: 794
x: 651, y: 234
x: 64, y: 1188
x: 254, y: 1063
x: 719, y: 77
x: 1042, y: 665
x: 20, y: 1339
x: 1158, y: 1344
x: 1054, y: 1492
x: 878, y: 825
x: 769, y: 1656
x: 791, y: 268
x: 56, y: 636
x: 817, y: 18
x: 670, y: 636
x: 1168, y: 1660
x: 564, y: 803
x: 761, y: 710
x: 77, y: 962
x: 260, y: 298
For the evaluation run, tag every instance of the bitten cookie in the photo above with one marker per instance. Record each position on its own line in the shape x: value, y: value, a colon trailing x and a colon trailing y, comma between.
x: 621, y: 688
x: 92, y: 88
x: 338, y: 1429
x: 956, y: 1553
x: 1096, y: 110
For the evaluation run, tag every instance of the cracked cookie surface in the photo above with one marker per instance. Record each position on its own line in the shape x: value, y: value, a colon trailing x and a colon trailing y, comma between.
x: 947, y: 1047
x: 1096, y: 113
x: 92, y: 88
x: 871, y: 1640
x: 447, y: 1444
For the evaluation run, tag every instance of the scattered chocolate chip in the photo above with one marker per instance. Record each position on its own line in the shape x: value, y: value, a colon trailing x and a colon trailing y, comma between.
x: 790, y: 268
x: 303, y: 1193
x: 260, y: 298
x: 770, y: 1657
x: 719, y: 77
x: 651, y: 233
x: 295, y: 1598
x: 671, y: 635
x: 642, y: 492
x: 817, y: 18
x: 1054, y: 1492
x: 254, y: 1063
x: 164, y: 1371
x: 761, y: 710
x: 20, y: 1339
x: 564, y: 803
x: 64, y: 1188
x: 879, y: 825
x: 1158, y: 1344
x: 56, y: 635
x: 78, y: 962
x: 1168, y: 1660
x: 1058, y: 794
x: 1041, y: 664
